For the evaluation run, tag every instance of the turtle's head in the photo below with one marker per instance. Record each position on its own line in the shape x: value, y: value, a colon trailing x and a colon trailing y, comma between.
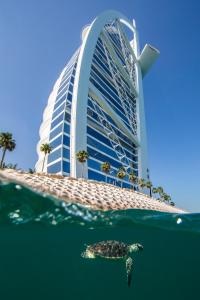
x: 88, y: 254
x: 135, y: 247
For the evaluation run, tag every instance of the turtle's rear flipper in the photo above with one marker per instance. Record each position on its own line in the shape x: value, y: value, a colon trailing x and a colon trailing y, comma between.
x: 129, y: 264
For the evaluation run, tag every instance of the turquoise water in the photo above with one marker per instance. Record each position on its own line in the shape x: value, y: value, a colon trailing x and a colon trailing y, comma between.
x: 41, y: 240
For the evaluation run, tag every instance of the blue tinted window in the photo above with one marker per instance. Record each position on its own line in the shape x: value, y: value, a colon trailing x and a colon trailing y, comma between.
x: 69, y: 97
x: 66, y: 140
x: 57, y: 121
x: 71, y: 88
x: 66, y: 128
x: 59, y: 101
x: 66, y: 167
x: 103, y: 66
x: 62, y: 92
x: 66, y: 153
x: 118, y: 109
x: 126, y: 185
x: 56, y: 131
x: 103, y: 158
x: 55, y: 168
x: 56, y: 113
x: 96, y: 176
x: 100, y: 53
x: 63, y: 83
x: 67, y: 117
x: 98, y: 136
x: 94, y: 164
x: 54, y: 155
x: 55, y: 143
x: 131, y: 156
x: 103, y: 79
x: 101, y: 147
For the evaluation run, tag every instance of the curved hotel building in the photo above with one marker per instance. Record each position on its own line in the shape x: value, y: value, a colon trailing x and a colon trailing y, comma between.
x: 97, y: 104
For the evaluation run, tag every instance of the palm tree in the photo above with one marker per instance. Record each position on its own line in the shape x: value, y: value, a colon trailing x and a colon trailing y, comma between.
x: 166, y: 197
x: 105, y: 167
x: 141, y: 183
x: 82, y: 156
x: 121, y: 173
x: 154, y: 190
x: 46, y: 148
x: 31, y: 171
x: 11, y: 166
x: 149, y: 186
x: 6, y: 143
x: 160, y: 191
x: 133, y: 178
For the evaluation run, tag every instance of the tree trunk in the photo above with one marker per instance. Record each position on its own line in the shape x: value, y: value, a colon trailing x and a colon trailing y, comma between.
x: 43, y: 163
x: 150, y: 192
x: 82, y: 170
x: 2, y: 159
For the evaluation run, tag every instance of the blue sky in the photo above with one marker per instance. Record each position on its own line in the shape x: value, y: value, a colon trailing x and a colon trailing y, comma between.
x: 38, y: 37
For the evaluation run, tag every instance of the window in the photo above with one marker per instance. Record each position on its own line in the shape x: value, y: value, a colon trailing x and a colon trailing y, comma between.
x: 103, y: 158
x: 56, y: 131
x: 57, y: 121
x: 59, y: 101
x: 66, y: 153
x: 63, y: 91
x: 66, y: 167
x: 96, y: 176
x: 56, y: 113
x: 55, y: 143
x: 71, y: 88
x: 94, y: 164
x: 101, y: 147
x: 54, y: 155
x: 55, y: 168
x: 67, y: 117
x: 69, y: 97
x: 66, y: 140
x: 66, y: 128
x: 98, y: 136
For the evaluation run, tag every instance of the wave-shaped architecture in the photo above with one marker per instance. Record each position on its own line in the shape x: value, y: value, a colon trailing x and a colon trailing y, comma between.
x: 97, y: 104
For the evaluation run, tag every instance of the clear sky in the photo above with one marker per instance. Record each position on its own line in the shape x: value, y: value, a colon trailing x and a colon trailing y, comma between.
x: 37, y: 38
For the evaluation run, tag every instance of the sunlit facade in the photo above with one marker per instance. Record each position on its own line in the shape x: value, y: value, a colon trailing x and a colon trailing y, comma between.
x: 97, y: 104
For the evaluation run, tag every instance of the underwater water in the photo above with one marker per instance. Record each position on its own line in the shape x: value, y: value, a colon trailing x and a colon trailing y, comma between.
x: 41, y: 241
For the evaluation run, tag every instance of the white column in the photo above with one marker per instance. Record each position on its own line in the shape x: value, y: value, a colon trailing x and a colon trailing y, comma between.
x: 142, y: 136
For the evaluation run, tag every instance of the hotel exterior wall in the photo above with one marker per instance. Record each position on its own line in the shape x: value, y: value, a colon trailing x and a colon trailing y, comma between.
x: 92, y: 102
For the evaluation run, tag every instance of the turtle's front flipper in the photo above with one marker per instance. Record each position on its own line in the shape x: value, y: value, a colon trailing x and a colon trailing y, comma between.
x: 129, y: 264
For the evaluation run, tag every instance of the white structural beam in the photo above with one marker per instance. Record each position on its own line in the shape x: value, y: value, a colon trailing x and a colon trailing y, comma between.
x: 147, y: 58
x: 127, y: 42
x: 143, y: 166
x: 108, y: 109
x: 111, y: 50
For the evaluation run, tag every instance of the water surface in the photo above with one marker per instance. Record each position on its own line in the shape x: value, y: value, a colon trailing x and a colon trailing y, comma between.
x: 41, y: 240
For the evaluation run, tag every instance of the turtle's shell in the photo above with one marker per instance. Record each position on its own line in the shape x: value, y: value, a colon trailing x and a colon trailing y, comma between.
x: 109, y: 249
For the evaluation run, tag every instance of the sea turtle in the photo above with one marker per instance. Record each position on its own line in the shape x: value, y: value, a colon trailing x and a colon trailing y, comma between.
x: 113, y: 250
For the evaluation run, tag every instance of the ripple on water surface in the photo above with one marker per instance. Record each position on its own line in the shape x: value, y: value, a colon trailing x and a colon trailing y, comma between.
x: 42, y: 240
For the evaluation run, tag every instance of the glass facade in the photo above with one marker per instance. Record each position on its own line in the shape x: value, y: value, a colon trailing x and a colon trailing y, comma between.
x: 59, y: 136
x: 111, y: 134
x: 106, y: 142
